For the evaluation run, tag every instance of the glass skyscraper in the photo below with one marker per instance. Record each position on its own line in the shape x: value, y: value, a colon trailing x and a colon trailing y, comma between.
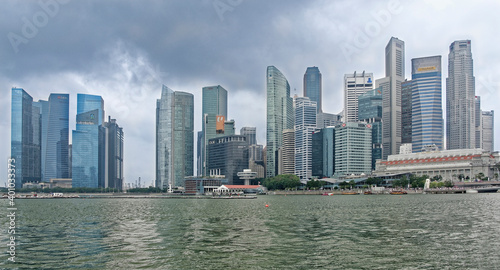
x: 406, y: 111
x: 214, y: 110
x: 279, y: 116
x: 228, y: 155
x: 370, y: 111
x: 25, y: 138
x: 174, y: 138
x: 460, y: 94
x: 313, y: 86
x: 427, y: 112
x: 85, y: 149
x: 111, y: 155
x: 55, y: 137
x: 323, y: 152
x: 305, y: 125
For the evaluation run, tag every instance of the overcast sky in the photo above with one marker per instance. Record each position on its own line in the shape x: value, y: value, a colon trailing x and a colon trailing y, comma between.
x: 125, y: 50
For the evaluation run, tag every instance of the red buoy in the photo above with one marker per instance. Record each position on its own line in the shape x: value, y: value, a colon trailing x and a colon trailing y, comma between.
x: 267, y: 205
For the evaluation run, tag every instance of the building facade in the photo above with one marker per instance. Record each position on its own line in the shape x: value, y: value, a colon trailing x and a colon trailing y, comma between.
x: 324, y: 120
x: 391, y: 96
x: 174, y: 138
x: 323, y: 152
x: 305, y: 125
x: 313, y: 87
x: 279, y: 116
x: 228, y: 155
x: 111, y: 155
x: 427, y: 113
x: 355, y: 85
x: 286, y: 153
x: 406, y: 111
x: 370, y: 111
x: 25, y: 138
x: 460, y: 94
x: 353, y: 149
x: 251, y: 133
x: 214, y: 115
x: 487, y: 131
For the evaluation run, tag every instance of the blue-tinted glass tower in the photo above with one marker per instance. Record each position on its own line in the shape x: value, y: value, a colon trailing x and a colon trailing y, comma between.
x: 305, y: 124
x: 427, y: 112
x: 25, y: 138
x: 312, y: 86
x: 370, y: 111
x: 85, y: 149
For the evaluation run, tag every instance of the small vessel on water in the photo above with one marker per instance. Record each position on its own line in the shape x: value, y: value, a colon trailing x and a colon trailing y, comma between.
x: 398, y: 192
x: 350, y: 193
x: 368, y: 192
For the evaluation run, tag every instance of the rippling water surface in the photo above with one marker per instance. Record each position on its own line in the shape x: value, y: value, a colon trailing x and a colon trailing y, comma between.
x: 294, y: 232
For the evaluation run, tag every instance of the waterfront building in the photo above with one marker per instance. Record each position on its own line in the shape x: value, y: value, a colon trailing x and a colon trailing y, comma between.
x: 111, y: 155
x: 85, y: 151
x: 353, y: 149
x: 25, y: 138
x: 406, y: 111
x: 324, y: 120
x: 323, y: 152
x: 214, y: 115
x: 174, y: 138
x: 286, y: 153
x: 391, y: 96
x: 313, y: 87
x: 228, y: 155
x: 427, y: 113
x: 279, y: 116
x: 202, y: 185
x: 305, y: 125
x: 460, y: 94
x: 454, y: 165
x: 355, y: 84
x: 55, y: 137
x: 487, y: 130
x: 370, y: 111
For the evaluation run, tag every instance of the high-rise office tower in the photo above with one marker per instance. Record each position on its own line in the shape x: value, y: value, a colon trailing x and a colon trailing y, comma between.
x: 313, y: 86
x: 305, y: 125
x: 353, y: 149
x: 279, y: 116
x: 460, y: 93
x: 85, y: 150
x: 111, y: 155
x: 174, y: 138
x: 324, y: 120
x: 323, y: 151
x: 487, y: 131
x: 477, y: 119
x: 370, y: 111
x: 251, y: 133
x: 286, y: 153
x: 406, y: 111
x: 227, y: 156
x: 391, y: 96
x: 427, y: 112
x: 355, y: 85
x: 25, y: 138
x: 55, y: 137
x: 214, y: 115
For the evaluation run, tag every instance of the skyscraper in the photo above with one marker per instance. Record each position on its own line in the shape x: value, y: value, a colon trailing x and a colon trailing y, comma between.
x: 25, y: 138
x: 85, y: 149
x: 427, y: 112
x: 313, y: 86
x: 279, y: 116
x: 406, y: 111
x: 228, y: 155
x: 111, y: 155
x: 174, y: 138
x: 353, y: 149
x: 286, y: 153
x: 323, y: 152
x: 391, y: 96
x: 355, y: 85
x: 251, y: 133
x: 214, y: 114
x: 460, y: 93
x: 324, y: 120
x: 55, y: 137
x: 487, y: 130
x: 305, y: 125
x: 370, y: 111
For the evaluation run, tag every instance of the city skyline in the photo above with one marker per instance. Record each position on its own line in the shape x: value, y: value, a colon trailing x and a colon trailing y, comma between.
x: 127, y: 69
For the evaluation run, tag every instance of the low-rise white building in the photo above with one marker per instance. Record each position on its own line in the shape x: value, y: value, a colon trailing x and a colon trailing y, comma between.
x: 450, y: 164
